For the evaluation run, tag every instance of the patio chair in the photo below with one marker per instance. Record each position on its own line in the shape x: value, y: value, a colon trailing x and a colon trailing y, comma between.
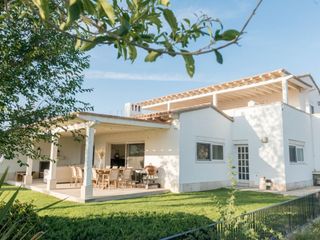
x: 95, y: 177
x: 112, y: 178
x: 152, y: 175
x: 79, y: 174
x: 126, y: 178
x: 74, y: 175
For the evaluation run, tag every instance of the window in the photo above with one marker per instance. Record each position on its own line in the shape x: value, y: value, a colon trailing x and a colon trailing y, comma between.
x: 311, y: 109
x: 136, y: 150
x: 209, y: 151
x: 217, y: 152
x: 203, y: 151
x: 296, y: 154
x: 300, y: 157
x: 292, y: 154
x: 135, y: 155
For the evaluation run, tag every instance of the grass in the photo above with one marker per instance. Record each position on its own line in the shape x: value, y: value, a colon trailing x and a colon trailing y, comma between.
x: 149, y: 217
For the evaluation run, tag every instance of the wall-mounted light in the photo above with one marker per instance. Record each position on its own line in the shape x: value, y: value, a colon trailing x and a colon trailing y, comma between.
x: 39, y: 151
x: 265, y: 140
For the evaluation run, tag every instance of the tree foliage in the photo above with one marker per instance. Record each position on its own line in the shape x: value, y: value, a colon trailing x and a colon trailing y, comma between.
x: 149, y: 25
x: 40, y: 76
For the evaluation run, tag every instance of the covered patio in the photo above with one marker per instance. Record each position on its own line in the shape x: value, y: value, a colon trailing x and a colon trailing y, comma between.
x: 73, y: 193
x: 103, y: 133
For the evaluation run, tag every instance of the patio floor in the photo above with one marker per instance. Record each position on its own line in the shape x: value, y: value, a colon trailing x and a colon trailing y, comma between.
x: 72, y: 193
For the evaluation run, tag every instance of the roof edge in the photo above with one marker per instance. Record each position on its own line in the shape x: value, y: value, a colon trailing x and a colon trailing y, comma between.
x: 312, y: 79
x: 204, y: 106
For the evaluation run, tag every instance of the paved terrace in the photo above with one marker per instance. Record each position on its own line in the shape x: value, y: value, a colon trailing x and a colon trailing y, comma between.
x: 72, y: 193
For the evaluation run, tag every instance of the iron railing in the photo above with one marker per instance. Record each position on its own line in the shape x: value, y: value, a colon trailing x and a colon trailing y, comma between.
x: 282, y: 218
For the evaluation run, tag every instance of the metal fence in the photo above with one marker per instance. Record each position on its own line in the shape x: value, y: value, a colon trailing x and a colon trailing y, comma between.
x: 281, y: 218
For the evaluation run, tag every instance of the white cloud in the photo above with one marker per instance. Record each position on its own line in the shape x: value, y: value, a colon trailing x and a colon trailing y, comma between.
x: 232, y: 10
x: 109, y: 75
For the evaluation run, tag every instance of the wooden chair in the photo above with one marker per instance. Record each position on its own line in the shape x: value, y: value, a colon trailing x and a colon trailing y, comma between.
x: 79, y: 174
x: 112, y: 178
x: 74, y: 176
x: 126, y: 178
x: 95, y: 177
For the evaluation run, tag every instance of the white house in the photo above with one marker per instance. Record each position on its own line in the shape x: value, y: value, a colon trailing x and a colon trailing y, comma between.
x: 267, y: 125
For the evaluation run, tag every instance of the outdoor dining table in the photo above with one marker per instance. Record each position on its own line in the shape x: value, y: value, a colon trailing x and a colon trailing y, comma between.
x: 103, y: 174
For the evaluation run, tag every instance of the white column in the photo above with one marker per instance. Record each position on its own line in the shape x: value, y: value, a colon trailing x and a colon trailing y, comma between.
x: 168, y: 106
x: 51, y: 179
x: 28, y: 176
x: 86, y: 188
x: 285, y: 91
x: 214, y: 100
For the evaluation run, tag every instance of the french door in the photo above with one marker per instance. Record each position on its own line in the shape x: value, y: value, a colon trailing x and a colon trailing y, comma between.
x: 243, y: 163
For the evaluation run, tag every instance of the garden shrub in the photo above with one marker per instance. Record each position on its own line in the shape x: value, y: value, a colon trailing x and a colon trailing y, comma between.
x: 24, y: 216
x: 311, y: 232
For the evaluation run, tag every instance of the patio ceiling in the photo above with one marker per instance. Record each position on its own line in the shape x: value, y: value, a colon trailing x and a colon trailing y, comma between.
x: 108, y: 124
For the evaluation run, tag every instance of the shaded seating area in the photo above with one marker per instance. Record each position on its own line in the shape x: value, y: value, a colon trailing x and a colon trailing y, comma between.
x: 124, y: 177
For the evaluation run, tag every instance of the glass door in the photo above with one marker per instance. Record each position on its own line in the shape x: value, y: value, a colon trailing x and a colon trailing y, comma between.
x: 243, y: 163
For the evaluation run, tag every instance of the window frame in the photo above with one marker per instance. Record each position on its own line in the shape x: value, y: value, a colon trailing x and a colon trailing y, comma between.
x: 211, y: 144
x: 204, y: 143
x: 219, y: 145
x: 312, y: 109
x: 298, y: 153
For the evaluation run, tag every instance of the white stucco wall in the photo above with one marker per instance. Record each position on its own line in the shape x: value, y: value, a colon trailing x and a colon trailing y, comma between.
x: 204, y: 125
x: 316, y: 139
x: 161, y: 150
x: 298, y: 126
x: 13, y: 167
x: 70, y: 151
x: 265, y: 159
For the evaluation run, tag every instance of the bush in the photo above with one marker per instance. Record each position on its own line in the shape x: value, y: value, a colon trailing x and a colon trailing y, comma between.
x: 311, y: 232
x: 24, y: 217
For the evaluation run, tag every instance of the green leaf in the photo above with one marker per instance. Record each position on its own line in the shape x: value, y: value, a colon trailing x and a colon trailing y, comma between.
x: 189, y: 63
x: 164, y: 2
x: 171, y: 19
x: 229, y: 35
x: 3, y: 177
x: 86, y: 46
x: 132, y: 52
x: 218, y: 56
x: 92, y: 42
x: 152, y: 56
x: 124, y: 27
x: 108, y: 9
x: 78, y: 44
x: 74, y: 10
x: 43, y: 7
x: 89, y: 6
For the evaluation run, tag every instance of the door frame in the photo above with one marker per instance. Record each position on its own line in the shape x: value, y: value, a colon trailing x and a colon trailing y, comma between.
x: 244, y: 179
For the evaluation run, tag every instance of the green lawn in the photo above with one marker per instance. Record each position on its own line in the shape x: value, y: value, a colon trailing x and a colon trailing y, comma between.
x: 140, y: 218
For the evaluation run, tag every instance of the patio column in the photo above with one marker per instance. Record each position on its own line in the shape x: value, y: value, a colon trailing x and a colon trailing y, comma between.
x: 214, y: 100
x: 28, y: 176
x: 285, y: 91
x: 51, y: 179
x: 86, y: 188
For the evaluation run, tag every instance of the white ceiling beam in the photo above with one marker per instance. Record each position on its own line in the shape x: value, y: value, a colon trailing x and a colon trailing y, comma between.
x: 221, y: 91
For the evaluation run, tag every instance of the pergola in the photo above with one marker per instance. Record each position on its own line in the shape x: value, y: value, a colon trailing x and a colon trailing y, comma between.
x: 278, y: 83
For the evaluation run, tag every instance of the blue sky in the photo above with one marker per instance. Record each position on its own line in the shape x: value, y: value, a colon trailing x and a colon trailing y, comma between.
x: 283, y: 34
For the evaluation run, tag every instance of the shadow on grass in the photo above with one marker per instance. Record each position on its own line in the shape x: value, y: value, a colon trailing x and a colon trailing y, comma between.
x: 148, y: 225
x: 196, y: 199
